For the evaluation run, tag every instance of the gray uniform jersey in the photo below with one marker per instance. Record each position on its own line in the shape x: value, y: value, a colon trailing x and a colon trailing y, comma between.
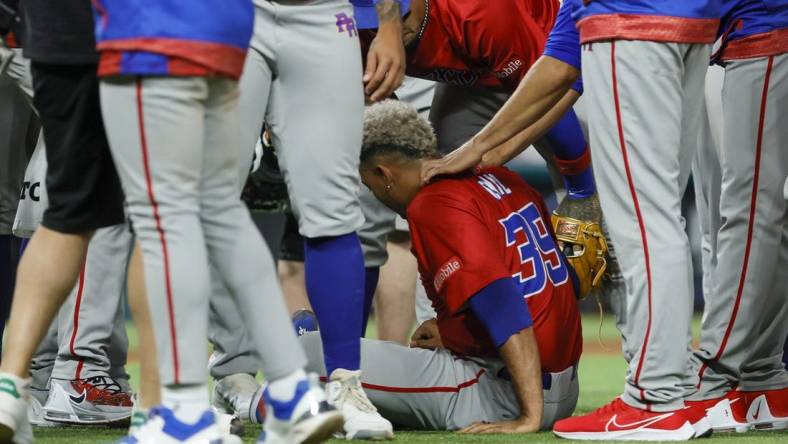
x: 644, y: 131
x: 418, y: 388
x: 745, y: 319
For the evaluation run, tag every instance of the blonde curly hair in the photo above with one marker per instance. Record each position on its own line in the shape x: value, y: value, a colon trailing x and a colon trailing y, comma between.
x: 394, y: 127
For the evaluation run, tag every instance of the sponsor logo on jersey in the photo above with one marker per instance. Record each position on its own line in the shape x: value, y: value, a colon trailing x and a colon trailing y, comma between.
x: 451, y: 266
x: 493, y: 185
x: 346, y: 24
x: 453, y: 76
x: 509, y: 69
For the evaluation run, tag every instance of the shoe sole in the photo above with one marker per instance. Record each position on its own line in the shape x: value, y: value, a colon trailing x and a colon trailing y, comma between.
x: 319, y: 428
x: 779, y: 424
x: 702, y: 428
x: 685, y: 433
x: 75, y: 419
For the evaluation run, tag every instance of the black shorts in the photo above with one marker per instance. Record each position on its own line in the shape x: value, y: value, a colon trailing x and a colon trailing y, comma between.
x: 82, y: 183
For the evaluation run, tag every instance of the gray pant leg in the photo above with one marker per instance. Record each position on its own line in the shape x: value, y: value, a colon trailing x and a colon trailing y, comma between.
x: 649, y: 235
x: 44, y: 359
x: 88, y: 320
x: 233, y: 349
x: 434, y: 390
x: 379, y: 221
x: 745, y: 322
x: 235, y: 246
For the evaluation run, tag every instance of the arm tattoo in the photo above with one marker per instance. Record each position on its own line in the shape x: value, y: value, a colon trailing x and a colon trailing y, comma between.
x: 388, y: 10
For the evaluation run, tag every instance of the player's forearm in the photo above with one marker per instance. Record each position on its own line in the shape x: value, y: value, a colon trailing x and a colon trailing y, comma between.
x: 546, y: 83
x: 511, y: 148
x: 389, y: 17
x: 521, y: 355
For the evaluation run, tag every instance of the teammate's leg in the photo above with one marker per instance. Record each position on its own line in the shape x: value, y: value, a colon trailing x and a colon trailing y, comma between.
x: 87, y: 323
x: 155, y: 128
x: 308, y: 132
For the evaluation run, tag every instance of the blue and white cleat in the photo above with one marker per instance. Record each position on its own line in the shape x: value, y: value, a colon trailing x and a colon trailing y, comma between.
x: 162, y: 427
x: 306, y: 418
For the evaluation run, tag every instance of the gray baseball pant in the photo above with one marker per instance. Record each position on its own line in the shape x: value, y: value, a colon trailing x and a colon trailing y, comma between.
x: 303, y: 78
x: 436, y: 390
x: 645, y: 105
x: 175, y: 144
x: 745, y: 320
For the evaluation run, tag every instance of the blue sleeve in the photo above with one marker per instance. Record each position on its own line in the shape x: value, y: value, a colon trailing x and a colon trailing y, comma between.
x: 563, y: 43
x: 502, y: 310
x: 568, y: 143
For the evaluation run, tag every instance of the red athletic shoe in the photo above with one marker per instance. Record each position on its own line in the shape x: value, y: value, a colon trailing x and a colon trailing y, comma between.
x: 767, y: 410
x: 695, y: 412
x: 618, y: 421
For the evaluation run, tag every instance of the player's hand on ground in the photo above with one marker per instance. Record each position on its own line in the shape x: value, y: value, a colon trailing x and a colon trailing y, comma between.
x: 386, y: 57
x: 427, y: 336
x: 463, y: 158
x: 520, y: 425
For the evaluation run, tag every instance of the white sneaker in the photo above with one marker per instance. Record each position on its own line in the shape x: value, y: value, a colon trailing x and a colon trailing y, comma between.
x: 14, y: 426
x: 238, y: 394
x: 98, y: 400
x: 229, y: 424
x: 306, y: 418
x: 362, y: 420
x: 162, y: 427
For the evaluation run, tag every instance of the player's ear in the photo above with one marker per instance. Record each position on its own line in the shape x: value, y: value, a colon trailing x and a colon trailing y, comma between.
x: 383, y: 171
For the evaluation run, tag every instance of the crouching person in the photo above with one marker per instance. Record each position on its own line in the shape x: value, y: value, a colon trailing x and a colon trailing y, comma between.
x: 501, y: 354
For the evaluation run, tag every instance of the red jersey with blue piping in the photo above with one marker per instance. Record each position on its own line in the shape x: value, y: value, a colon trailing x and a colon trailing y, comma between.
x: 473, y: 229
x: 753, y: 28
x: 679, y: 21
x: 173, y: 37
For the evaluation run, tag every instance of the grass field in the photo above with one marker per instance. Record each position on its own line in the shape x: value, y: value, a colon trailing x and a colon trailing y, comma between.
x: 601, y: 378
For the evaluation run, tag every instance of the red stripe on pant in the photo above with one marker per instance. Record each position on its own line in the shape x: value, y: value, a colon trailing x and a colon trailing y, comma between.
x: 75, y: 330
x: 435, y: 389
x: 641, y: 222
x: 162, y: 238
x: 750, y: 222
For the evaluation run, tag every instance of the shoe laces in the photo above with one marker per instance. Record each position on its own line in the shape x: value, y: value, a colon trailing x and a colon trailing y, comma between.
x: 351, y: 391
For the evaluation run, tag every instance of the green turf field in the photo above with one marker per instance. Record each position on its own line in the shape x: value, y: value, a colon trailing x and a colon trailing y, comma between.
x: 601, y: 378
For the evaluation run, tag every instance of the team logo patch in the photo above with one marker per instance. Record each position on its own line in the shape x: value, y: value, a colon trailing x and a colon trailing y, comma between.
x: 451, y: 266
x: 346, y: 24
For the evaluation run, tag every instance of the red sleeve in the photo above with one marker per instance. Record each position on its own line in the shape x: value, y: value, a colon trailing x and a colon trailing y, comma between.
x: 454, y: 246
x: 506, y: 38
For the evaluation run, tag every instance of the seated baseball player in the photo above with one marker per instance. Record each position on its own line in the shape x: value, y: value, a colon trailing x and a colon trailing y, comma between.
x: 501, y: 354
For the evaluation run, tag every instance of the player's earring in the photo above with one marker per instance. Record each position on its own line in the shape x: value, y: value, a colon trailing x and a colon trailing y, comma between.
x: 388, y: 187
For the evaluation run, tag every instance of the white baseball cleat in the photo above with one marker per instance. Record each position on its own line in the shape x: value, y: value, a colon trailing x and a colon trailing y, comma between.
x: 162, y: 427
x: 14, y: 426
x: 98, y: 400
x: 238, y: 394
x: 362, y: 420
x: 306, y: 418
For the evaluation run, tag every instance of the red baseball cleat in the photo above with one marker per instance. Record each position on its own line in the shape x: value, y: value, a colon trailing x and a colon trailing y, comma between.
x: 695, y: 412
x: 768, y: 409
x: 727, y: 413
x: 621, y: 422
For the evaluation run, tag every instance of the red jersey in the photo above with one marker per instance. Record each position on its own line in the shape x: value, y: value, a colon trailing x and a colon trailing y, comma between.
x: 473, y: 229
x: 488, y: 43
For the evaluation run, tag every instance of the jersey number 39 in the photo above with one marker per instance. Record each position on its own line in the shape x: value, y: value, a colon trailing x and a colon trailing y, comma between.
x: 538, y: 253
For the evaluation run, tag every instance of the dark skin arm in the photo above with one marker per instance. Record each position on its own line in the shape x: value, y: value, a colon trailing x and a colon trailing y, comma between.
x: 546, y: 83
x: 521, y: 355
x: 386, y: 57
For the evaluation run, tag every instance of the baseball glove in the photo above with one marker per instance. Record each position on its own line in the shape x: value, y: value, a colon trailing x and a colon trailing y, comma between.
x: 582, y: 241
